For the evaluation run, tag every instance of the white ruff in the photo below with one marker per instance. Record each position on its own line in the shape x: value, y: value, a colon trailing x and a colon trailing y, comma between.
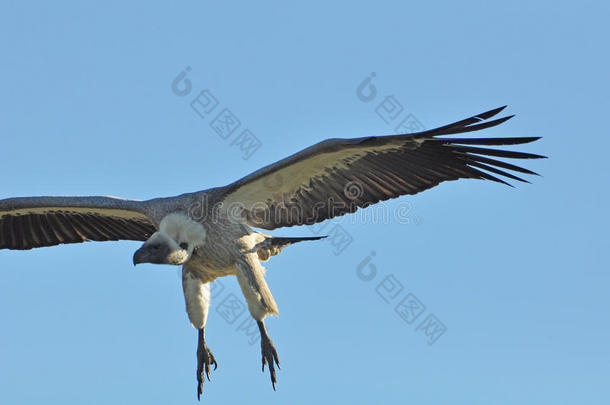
x: 181, y: 228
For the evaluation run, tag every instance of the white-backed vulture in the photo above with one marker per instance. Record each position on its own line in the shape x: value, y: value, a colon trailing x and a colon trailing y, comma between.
x: 208, y: 232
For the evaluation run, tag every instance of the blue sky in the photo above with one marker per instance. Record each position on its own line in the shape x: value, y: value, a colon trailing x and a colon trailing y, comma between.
x: 517, y: 277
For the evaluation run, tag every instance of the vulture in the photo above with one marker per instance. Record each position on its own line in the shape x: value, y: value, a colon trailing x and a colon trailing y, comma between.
x: 209, y: 233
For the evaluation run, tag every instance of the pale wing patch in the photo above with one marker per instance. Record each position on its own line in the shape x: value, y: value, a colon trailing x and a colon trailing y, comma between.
x: 109, y: 212
x: 286, y: 181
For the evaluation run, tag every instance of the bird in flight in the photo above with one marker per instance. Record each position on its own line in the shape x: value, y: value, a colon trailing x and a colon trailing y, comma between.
x: 209, y: 232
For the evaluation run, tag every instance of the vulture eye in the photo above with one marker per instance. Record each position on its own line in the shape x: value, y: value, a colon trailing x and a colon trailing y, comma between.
x: 184, y: 245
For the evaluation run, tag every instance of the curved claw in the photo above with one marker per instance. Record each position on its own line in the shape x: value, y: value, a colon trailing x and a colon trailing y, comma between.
x: 210, y: 360
x: 204, y: 359
x: 269, y: 353
x: 269, y: 356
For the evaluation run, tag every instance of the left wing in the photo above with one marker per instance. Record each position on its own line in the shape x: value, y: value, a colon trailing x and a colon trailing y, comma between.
x: 336, y: 176
x: 32, y: 222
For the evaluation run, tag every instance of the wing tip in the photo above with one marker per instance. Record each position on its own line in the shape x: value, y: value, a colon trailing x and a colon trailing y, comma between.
x: 488, y: 114
x: 499, y: 109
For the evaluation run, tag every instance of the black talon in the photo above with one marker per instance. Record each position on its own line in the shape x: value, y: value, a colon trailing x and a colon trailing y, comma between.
x: 269, y: 353
x: 204, y: 359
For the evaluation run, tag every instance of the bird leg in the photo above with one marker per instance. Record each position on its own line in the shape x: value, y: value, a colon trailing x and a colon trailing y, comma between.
x: 205, y: 358
x: 269, y: 352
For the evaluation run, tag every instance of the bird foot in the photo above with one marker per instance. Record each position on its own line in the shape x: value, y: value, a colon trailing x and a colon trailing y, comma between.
x: 205, y: 358
x: 270, y: 356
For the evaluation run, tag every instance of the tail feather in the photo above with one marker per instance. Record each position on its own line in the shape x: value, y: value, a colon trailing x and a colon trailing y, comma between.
x: 277, y: 241
x: 274, y: 245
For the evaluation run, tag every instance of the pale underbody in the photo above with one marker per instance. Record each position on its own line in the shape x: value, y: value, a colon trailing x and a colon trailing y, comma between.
x: 232, y: 251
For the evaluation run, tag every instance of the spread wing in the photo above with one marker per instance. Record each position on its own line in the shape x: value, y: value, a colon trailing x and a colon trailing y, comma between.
x: 32, y: 222
x: 336, y: 176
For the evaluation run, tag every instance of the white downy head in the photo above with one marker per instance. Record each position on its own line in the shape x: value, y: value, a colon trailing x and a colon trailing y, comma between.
x: 174, y: 243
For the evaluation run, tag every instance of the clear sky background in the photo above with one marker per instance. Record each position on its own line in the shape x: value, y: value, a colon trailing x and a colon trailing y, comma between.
x: 518, y: 277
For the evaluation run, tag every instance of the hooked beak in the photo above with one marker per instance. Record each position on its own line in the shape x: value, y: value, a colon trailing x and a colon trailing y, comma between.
x: 141, y: 256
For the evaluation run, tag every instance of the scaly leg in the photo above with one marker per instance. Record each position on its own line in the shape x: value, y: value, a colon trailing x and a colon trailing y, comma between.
x: 269, y: 352
x: 205, y: 358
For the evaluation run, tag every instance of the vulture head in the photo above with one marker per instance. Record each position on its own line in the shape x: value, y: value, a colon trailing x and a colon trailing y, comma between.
x: 174, y: 243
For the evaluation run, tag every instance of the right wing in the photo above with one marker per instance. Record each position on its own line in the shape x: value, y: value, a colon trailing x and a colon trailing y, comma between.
x: 337, y: 176
x: 32, y: 222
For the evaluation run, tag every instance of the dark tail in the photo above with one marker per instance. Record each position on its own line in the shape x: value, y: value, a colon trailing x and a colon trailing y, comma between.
x: 283, y: 242
x: 274, y: 245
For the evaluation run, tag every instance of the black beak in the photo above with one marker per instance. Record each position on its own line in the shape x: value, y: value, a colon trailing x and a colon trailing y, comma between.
x: 140, y: 256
